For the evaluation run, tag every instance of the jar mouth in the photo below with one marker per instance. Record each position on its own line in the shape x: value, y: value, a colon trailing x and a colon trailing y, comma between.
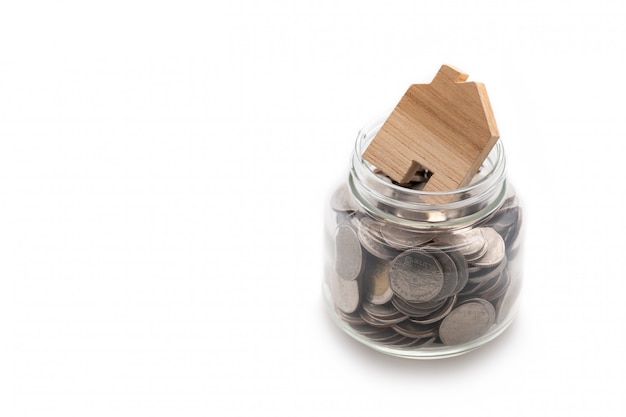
x: 401, y: 204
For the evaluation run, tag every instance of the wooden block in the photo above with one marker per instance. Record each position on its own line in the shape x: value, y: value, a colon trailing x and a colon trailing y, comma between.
x: 446, y: 126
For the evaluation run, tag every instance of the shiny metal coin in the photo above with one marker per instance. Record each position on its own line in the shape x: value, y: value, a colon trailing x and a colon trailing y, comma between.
x: 350, y: 318
x: 471, y: 243
x: 467, y: 322
x: 382, y: 321
x: 402, y: 238
x: 345, y: 294
x: 450, y: 274
x: 494, y: 292
x: 416, y: 331
x: 349, y: 257
x: 401, y: 341
x: 413, y: 311
x: 384, y: 311
x: 437, y: 315
x: 372, y: 321
x: 383, y: 335
x: 416, y: 276
x: 487, y: 274
x: 495, y: 249
x: 372, y: 241
x: 461, y: 268
x: 376, y: 280
x: 366, y: 329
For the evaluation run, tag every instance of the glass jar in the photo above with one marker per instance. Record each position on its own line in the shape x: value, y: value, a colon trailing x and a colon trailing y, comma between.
x: 419, y: 274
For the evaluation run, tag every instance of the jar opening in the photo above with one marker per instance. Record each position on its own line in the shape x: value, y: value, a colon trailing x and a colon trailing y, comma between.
x: 400, y: 204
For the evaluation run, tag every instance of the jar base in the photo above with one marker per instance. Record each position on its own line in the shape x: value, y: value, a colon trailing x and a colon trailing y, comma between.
x: 424, y: 352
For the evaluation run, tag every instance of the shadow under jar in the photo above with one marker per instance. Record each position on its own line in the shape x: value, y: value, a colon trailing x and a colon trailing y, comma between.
x: 410, y: 276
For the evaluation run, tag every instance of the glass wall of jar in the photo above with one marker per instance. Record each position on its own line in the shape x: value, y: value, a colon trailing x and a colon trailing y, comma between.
x: 418, y: 274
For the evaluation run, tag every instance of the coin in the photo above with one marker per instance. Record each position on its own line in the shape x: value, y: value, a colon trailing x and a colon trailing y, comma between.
x: 416, y: 276
x: 506, y: 215
x: 450, y: 273
x: 495, y: 248
x: 437, y: 315
x: 381, y: 321
x: 497, y: 290
x: 371, y: 238
x: 487, y: 274
x: 401, y: 341
x: 414, y: 330
x: 416, y: 310
x: 350, y: 318
x: 471, y: 243
x: 384, y: 311
x: 345, y: 294
x: 467, y: 322
x: 384, y: 335
x: 461, y: 268
x: 366, y: 329
x: 401, y: 238
x: 410, y: 288
x: 372, y: 321
x: 376, y: 280
x: 348, y: 254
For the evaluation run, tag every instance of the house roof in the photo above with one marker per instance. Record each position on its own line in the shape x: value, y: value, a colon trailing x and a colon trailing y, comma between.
x: 447, y: 127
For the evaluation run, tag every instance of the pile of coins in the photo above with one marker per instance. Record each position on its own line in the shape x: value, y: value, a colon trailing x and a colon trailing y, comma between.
x: 405, y: 287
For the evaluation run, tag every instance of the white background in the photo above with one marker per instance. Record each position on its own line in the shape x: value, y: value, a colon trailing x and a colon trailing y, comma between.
x: 163, y: 172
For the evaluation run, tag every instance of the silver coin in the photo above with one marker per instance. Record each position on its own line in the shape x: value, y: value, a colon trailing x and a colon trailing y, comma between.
x: 461, y: 268
x: 450, y: 274
x: 506, y: 214
x: 345, y: 294
x: 511, y: 233
x: 487, y: 274
x: 384, y: 311
x: 414, y: 330
x: 349, y: 259
x: 469, y: 291
x: 412, y: 310
x: 416, y: 276
x: 371, y: 239
x: 350, y: 318
x: 402, y: 341
x: 402, y: 238
x: 437, y: 315
x: 495, y: 249
x: 341, y: 200
x: 376, y: 280
x: 382, y: 321
x: 471, y: 243
x: 383, y: 335
x: 467, y: 322
x: 366, y: 329
x: 372, y: 321
x: 421, y: 342
x: 498, y: 289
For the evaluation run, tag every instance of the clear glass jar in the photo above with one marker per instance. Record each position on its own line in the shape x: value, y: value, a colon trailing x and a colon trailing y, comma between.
x: 417, y: 274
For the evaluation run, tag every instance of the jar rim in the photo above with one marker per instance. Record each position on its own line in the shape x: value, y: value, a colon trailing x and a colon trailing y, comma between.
x: 376, y: 195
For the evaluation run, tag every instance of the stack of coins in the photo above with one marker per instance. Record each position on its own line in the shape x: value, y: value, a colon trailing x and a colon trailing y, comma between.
x: 406, y: 287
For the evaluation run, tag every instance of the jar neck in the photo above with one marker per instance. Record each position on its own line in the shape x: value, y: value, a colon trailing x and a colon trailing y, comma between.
x: 414, y: 208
